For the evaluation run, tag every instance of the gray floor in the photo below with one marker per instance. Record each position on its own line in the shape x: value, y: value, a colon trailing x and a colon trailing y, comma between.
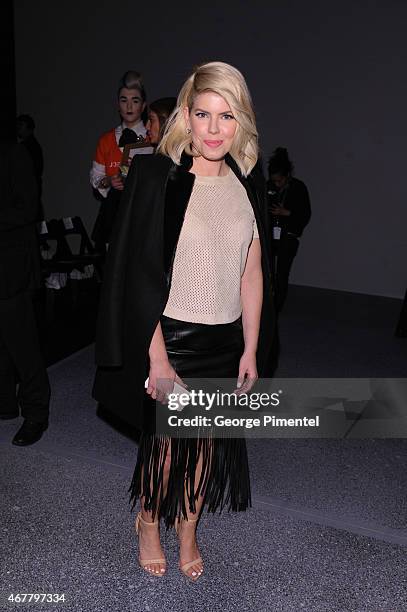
x: 327, y: 531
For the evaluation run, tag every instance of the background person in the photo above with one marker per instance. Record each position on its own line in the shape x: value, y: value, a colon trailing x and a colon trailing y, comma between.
x: 105, y: 174
x: 158, y: 113
x: 192, y: 300
x: 290, y: 209
x: 20, y: 354
x: 25, y: 127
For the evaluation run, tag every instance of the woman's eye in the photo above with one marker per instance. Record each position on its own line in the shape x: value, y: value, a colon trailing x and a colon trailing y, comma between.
x: 200, y: 114
x: 228, y: 116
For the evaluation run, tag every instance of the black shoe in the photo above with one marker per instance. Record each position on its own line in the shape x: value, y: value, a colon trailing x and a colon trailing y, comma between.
x: 4, y: 416
x: 29, y: 433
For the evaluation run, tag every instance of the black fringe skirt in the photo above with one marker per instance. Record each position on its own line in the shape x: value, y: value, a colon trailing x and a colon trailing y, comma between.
x: 195, y: 350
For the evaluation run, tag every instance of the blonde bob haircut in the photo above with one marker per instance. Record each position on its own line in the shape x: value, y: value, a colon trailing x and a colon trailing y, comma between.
x: 228, y: 82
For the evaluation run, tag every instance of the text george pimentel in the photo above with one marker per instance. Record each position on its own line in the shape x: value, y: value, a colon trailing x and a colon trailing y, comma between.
x: 176, y: 401
x: 246, y: 422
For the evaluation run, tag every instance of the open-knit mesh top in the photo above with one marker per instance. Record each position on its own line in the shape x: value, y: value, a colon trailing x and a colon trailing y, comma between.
x: 211, y: 254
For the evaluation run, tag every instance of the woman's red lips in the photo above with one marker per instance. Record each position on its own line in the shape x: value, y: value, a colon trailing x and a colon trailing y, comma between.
x: 213, y: 143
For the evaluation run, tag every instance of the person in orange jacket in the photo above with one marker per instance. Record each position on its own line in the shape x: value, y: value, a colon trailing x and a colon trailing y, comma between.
x: 105, y: 175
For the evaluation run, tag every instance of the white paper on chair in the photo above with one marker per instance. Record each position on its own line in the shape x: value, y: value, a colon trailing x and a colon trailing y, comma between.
x: 56, y: 280
x: 68, y: 223
x: 88, y: 272
x: 43, y: 229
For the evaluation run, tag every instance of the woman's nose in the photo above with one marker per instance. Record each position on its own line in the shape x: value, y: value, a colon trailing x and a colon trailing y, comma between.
x: 213, y: 126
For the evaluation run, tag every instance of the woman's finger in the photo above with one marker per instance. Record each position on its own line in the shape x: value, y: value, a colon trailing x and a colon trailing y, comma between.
x: 251, y: 380
x: 246, y: 385
x: 161, y: 397
x: 249, y: 384
x: 240, y: 379
x: 240, y: 382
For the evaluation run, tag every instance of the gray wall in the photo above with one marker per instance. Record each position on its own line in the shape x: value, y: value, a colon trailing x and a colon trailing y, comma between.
x: 328, y: 80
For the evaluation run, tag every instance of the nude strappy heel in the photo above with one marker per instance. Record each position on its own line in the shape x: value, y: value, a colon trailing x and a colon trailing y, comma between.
x: 188, y: 565
x: 144, y: 562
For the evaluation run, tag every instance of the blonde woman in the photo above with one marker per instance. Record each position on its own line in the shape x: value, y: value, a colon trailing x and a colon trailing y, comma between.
x: 187, y: 293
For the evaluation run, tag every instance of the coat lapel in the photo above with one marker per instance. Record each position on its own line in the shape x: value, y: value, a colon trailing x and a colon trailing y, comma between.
x: 254, y: 193
x: 177, y: 194
x: 247, y: 183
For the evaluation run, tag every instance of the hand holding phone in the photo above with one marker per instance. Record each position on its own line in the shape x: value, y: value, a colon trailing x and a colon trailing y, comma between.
x: 176, y: 391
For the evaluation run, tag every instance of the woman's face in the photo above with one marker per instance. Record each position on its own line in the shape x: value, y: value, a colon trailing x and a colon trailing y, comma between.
x: 213, y: 125
x: 131, y: 106
x: 153, y: 127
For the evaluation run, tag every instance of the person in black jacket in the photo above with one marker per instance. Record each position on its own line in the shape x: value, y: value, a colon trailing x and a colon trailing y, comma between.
x: 19, y: 275
x: 25, y: 133
x: 290, y: 212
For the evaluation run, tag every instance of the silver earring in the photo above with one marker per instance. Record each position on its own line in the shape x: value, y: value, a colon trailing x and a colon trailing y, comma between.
x: 189, y: 130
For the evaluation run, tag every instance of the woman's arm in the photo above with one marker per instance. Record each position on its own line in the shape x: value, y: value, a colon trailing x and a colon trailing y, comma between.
x: 98, y: 175
x: 161, y: 375
x: 251, y: 291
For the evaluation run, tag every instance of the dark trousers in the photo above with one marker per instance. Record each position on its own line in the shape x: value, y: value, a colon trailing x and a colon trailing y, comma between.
x: 284, y: 251
x: 20, y: 355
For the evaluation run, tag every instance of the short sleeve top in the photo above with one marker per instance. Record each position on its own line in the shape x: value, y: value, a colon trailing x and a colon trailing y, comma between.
x: 211, y: 253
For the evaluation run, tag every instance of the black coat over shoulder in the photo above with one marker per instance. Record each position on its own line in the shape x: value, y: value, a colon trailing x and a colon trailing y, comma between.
x: 135, y: 288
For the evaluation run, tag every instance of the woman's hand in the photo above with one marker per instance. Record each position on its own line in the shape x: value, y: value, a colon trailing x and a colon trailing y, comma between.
x: 116, y: 182
x: 161, y: 380
x: 247, y: 373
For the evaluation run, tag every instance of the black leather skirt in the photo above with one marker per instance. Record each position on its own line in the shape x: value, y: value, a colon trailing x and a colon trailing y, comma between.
x: 195, y: 350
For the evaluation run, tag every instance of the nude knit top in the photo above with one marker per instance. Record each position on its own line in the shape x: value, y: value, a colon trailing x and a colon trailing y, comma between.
x: 211, y: 254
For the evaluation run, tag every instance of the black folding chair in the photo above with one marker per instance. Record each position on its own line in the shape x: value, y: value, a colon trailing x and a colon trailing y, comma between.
x: 59, y: 255
x: 85, y: 253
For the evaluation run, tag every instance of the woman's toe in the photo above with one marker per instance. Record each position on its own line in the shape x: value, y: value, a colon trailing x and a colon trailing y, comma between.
x: 196, y: 571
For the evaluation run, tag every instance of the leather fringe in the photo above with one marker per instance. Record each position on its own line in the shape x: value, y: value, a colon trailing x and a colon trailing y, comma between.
x: 224, y: 475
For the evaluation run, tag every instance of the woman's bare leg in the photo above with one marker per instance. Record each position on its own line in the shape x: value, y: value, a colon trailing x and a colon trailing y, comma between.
x: 188, y: 550
x: 149, y: 538
x: 150, y: 545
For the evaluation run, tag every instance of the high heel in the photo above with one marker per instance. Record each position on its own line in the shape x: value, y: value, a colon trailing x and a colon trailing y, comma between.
x: 144, y: 562
x: 184, y: 568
